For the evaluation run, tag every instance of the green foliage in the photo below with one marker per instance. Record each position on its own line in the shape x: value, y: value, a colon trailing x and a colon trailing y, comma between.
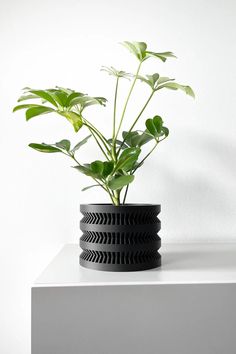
x: 127, y: 159
x: 80, y: 143
x: 64, y: 145
x: 66, y: 102
x: 117, y: 73
x: 46, y: 96
x: 89, y: 187
x: 120, y: 181
x: 97, y: 169
x: 139, y: 49
x: 137, y: 138
x: 155, y: 127
x: 157, y: 83
x: 74, y: 118
x: 108, y: 167
x: 122, y: 155
x: 154, y: 80
x: 174, y: 86
x: 44, y: 148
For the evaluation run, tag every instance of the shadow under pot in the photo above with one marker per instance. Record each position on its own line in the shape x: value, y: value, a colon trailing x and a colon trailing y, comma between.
x: 120, y: 238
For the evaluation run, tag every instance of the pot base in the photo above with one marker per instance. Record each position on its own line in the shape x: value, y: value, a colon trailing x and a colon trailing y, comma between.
x: 95, y: 260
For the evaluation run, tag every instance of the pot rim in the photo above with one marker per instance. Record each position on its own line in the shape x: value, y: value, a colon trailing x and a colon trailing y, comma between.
x: 121, y: 205
x: 126, y: 208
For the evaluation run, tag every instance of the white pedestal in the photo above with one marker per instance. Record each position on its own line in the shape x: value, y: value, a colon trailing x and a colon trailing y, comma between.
x: 188, y: 306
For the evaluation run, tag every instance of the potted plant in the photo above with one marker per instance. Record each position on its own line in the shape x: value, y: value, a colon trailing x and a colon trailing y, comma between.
x: 116, y: 236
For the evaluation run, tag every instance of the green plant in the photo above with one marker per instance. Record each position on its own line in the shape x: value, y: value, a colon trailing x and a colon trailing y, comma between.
x: 122, y: 155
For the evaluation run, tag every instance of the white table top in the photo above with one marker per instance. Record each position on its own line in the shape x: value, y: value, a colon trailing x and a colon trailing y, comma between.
x: 182, y: 263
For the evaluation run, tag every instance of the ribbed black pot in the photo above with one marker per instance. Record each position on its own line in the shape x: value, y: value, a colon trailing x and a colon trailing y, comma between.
x: 120, y: 238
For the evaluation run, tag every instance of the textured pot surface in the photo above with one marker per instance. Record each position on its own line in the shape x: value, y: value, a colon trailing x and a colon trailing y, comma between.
x: 120, y: 238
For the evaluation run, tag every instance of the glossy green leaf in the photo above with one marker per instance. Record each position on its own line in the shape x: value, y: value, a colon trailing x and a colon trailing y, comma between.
x: 65, y: 90
x: 44, y: 95
x: 117, y: 73
x: 72, y: 96
x: 118, y: 143
x: 144, y: 138
x: 189, y: 91
x: 136, y: 138
x: 85, y: 101
x: 24, y: 106
x: 44, y: 148
x: 136, y: 48
x: 141, y: 49
x: 163, y: 80
x: 157, y: 121
x: 107, y: 168
x: 151, y: 80
x: 127, y: 159
x: 64, y: 144
x: 27, y: 97
x: 86, y: 171
x: 130, y: 138
x: 36, y: 111
x: 74, y: 118
x: 86, y: 188
x: 97, y: 167
x: 145, y: 79
x: 165, y: 131
x: 101, y: 100
x: 175, y: 86
x: 151, y: 127
x: 162, y: 56
x: 119, y: 182
x: 60, y: 97
x: 81, y: 143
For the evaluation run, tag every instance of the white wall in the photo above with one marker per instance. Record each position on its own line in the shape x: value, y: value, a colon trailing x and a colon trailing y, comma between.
x: 46, y: 43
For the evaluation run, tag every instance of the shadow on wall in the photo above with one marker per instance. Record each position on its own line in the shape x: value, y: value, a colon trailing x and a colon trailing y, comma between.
x: 199, y: 197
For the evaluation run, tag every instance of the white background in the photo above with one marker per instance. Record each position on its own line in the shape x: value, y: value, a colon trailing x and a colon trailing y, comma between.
x: 192, y: 174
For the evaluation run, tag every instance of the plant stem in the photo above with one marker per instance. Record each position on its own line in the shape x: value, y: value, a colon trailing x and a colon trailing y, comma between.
x: 127, y: 99
x: 110, y: 195
x: 73, y: 157
x: 137, y: 118
x: 97, y: 141
x: 114, y: 122
x: 116, y: 198
x: 105, y: 187
x: 99, y: 134
x: 141, y: 162
x: 125, y: 195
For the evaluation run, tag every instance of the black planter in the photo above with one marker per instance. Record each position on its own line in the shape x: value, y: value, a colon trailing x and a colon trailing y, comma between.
x: 120, y: 238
